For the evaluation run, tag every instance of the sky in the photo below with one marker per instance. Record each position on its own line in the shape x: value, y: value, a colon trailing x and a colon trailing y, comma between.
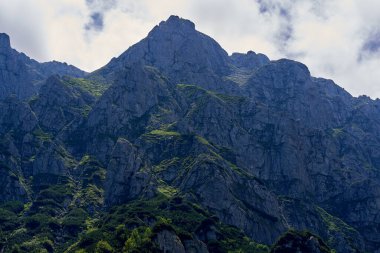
x: 336, y: 39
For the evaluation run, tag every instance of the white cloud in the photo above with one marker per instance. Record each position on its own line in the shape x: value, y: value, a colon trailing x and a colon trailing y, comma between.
x: 327, y: 35
x: 26, y: 30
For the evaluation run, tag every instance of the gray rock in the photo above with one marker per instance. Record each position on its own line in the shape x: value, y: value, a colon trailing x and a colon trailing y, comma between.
x: 250, y: 60
x: 195, y: 246
x: 127, y: 177
x: 181, y: 53
x: 58, y: 104
x: 169, y: 242
x: 22, y: 76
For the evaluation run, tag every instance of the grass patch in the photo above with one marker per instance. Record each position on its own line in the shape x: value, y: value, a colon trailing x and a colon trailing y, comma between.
x: 93, y: 87
x: 164, y: 133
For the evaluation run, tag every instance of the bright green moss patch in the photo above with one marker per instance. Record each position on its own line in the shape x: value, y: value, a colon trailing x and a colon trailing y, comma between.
x: 168, y: 191
x: 165, y: 164
x: 164, y: 133
x: 85, y: 159
x: 202, y: 140
x: 157, y: 135
x: 334, y: 223
x: 335, y: 226
x: 103, y: 247
x: 93, y: 87
x: 43, y: 136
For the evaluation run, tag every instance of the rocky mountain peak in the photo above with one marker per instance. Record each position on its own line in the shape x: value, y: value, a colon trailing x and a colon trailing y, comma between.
x: 180, y: 52
x: 4, y: 41
x: 175, y: 24
x: 23, y: 76
x: 250, y: 60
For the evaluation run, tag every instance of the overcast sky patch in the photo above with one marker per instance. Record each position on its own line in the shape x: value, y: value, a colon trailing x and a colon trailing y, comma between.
x: 372, y: 43
x: 98, y: 8
x: 96, y: 22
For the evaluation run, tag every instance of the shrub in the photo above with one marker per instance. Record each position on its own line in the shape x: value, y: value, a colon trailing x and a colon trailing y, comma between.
x: 103, y: 247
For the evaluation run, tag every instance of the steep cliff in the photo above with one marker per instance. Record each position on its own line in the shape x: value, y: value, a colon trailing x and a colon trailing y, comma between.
x: 22, y: 76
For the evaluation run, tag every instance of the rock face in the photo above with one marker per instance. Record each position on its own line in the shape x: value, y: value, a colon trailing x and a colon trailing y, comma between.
x: 180, y: 53
x: 170, y: 242
x: 261, y: 145
x: 60, y: 103
x: 300, y: 242
x: 126, y: 179
x: 22, y: 76
x: 249, y: 61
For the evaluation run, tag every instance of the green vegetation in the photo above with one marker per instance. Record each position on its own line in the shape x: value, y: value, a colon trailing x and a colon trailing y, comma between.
x: 164, y: 133
x: 157, y: 135
x: 139, y: 240
x: 335, y: 225
x: 43, y: 136
x: 165, y: 164
x: 132, y: 227
x: 92, y: 176
x: 193, y: 91
x: 202, y: 140
x: 167, y: 190
x: 63, y: 207
x: 135, y: 227
x: 103, y: 247
x: 95, y: 88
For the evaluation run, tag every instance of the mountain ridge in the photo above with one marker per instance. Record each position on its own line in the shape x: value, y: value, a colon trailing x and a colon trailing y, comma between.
x: 22, y: 76
x: 233, y: 143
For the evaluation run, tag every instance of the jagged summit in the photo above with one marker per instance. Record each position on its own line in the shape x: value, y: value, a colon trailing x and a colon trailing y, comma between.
x: 178, y: 21
x: 185, y: 55
x: 23, y: 76
x: 174, y: 24
x: 4, y: 41
x: 250, y: 60
x: 182, y: 53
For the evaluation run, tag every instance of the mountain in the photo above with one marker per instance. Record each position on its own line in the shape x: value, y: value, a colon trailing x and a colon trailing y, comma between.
x: 175, y: 146
x: 22, y: 76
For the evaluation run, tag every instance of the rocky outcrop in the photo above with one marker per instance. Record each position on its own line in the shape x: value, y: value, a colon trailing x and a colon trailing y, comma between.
x: 22, y: 76
x: 60, y: 68
x: 168, y: 241
x: 249, y: 61
x: 180, y: 53
x: 60, y: 103
x: 11, y: 186
x: 193, y: 167
x: 300, y: 242
x: 15, y: 77
x: 17, y: 122
x: 127, y: 175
